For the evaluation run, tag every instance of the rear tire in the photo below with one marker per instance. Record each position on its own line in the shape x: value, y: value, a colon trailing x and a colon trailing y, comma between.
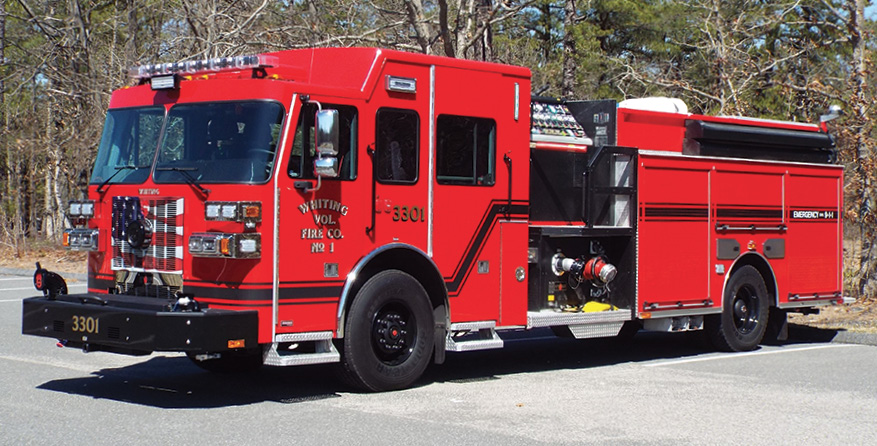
x: 389, y: 336
x: 743, y: 321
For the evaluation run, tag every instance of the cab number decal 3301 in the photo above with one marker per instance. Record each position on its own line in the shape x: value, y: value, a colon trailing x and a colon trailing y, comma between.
x: 82, y: 324
x: 405, y: 213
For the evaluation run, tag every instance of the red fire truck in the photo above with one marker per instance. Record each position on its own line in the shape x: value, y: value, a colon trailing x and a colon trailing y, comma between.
x: 380, y: 208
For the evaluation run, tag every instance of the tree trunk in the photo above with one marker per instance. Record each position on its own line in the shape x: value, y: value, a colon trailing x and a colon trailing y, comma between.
x: 418, y: 22
x: 861, y: 129
x: 568, y: 81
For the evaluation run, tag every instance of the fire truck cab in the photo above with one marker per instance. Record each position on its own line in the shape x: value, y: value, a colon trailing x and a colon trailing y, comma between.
x: 379, y: 208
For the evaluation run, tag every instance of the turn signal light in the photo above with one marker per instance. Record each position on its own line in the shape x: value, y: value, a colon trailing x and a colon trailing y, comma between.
x: 236, y: 343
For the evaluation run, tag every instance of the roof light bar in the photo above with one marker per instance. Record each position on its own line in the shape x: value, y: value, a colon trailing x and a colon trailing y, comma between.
x: 203, y: 66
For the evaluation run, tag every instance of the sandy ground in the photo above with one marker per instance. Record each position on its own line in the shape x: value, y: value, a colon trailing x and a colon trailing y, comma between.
x: 858, y: 317
x: 50, y: 257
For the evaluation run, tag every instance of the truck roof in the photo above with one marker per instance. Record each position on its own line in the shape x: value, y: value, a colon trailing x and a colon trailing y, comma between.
x: 356, y: 70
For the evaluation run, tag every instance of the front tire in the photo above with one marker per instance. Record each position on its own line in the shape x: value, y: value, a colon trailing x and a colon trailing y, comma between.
x: 389, y: 334
x: 743, y: 321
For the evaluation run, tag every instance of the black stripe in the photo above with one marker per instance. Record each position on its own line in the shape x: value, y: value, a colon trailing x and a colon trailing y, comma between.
x: 286, y: 293
x: 677, y: 212
x: 329, y: 301
x: 769, y: 214
x: 676, y: 220
x: 497, y: 208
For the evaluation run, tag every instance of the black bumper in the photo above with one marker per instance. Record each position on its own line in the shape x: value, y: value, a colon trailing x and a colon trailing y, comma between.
x: 135, y: 325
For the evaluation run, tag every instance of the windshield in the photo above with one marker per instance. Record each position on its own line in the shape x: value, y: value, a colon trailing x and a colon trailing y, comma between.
x: 127, y: 146
x: 225, y: 142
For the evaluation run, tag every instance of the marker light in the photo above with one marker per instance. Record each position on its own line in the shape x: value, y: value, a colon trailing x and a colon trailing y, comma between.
x: 167, y: 82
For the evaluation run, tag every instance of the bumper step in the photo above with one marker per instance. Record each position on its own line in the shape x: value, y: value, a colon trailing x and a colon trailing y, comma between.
x: 285, y: 350
x: 470, y: 336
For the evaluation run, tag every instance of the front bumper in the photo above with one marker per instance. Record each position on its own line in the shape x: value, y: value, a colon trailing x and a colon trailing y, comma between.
x: 136, y: 325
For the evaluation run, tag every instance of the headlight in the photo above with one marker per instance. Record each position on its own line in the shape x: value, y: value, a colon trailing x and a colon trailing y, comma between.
x: 87, y: 209
x: 239, y: 211
x: 80, y: 239
x: 81, y: 209
x: 217, y: 244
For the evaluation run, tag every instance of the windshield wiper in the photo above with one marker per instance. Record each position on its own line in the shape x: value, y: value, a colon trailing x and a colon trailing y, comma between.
x: 189, y: 178
x: 118, y: 169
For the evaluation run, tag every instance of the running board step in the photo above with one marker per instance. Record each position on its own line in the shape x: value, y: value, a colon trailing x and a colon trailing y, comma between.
x: 291, y: 349
x: 469, y: 336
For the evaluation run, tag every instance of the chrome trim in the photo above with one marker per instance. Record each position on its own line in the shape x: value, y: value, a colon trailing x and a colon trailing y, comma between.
x: 352, y: 276
x: 591, y: 331
x: 706, y: 303
x: 745, y: 160
x: 517, y: 100
x: 537, y: 319
x: 798, y: 297
x: 734, y: 264
x: 709, y: 235
x: 431, y: 173
x: 303, y: 337
x: 720, y: 227
x: 809, y: 303
x: 371, y: 69
x: 275, y: 255
x: 691, y: 312
x: 475, y: 325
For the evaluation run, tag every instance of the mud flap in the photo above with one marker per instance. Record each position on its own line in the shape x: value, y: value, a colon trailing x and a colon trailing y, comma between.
x: 777, y: 327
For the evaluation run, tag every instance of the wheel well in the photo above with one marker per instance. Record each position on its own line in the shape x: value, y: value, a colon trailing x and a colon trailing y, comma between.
x: 763, y: 267
x: 406, y: 259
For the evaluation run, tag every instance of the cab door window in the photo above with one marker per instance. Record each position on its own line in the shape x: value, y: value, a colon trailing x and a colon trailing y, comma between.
x: 397, y: 145
x: 465, y: 150
x: 301, y: 161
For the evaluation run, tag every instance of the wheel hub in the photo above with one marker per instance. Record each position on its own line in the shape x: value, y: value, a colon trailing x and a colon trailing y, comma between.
x: 391, y: 332
x: 746, y: 310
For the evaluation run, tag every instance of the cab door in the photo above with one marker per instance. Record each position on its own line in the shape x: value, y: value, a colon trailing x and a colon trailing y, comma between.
x: 399, y: 158
x: 480, y: 232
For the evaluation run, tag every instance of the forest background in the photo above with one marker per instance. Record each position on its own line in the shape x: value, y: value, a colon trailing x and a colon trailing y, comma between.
x: 782, y: 59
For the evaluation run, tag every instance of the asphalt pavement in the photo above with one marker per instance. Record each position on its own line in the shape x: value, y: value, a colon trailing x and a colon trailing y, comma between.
x: 662, y: 389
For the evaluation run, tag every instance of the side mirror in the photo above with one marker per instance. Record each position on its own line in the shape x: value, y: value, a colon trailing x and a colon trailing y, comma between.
x: 834, y: 112
x: 326, y: 167
x: 327, y: 132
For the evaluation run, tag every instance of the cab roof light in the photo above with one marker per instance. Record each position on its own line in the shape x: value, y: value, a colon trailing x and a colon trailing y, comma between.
x: 202, y: 66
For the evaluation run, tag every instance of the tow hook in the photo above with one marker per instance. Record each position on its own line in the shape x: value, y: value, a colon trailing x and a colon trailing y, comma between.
x: 186, y: 303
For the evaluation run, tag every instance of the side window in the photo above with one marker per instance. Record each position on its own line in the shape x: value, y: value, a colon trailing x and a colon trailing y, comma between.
x: 465, y: 150
x: 397, y: 145
x: 301, y: 160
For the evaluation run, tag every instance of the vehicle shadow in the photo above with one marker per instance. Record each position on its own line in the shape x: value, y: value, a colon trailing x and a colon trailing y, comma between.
x: 174, y: 382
